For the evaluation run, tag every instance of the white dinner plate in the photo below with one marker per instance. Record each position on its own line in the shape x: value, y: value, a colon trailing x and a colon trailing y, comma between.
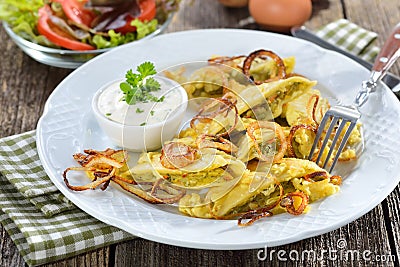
x: 68, y: 126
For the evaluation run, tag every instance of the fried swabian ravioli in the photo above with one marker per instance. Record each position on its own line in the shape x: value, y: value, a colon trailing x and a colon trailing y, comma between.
x: 244, y: 154
x: 255, y: 190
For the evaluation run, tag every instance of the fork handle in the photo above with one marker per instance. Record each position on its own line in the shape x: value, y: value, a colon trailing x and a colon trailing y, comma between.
x: 389, y: 53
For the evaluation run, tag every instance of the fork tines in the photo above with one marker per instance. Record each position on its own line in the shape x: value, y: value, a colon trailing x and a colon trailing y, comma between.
x: 336, y: 115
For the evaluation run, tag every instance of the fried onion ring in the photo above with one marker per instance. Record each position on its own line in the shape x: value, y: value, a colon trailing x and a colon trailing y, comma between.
x: 288, y: 203
x: 226, y: 103
x: 161, y: 184
x: 257, y: 214
x: 278, y: 134
x: 134, y: 189
x: 100, y: 157
x: 176, y: 155
x: 96, y: 182
x: 263, y: 54
x: 229, y: 61
x: 220, y: 143
x: 293, y: 130
x: 314, y: 107
x: 336, y: 180
x: 309, y: 177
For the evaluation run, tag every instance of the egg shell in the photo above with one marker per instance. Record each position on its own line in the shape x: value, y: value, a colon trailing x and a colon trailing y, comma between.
x: 280, y: 15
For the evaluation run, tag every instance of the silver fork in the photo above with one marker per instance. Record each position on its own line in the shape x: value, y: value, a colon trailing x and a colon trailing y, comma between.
x: 351, y: 114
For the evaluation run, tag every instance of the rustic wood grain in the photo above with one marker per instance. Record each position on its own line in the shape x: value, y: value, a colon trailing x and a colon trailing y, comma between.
x: 205, y: 14
x: 25, y: 87
x: 8, y: 251
x: 376, y: 16
x: 392, y: 220
x: 324, y: 11
x: 100, y: 258
x: 26, y: 84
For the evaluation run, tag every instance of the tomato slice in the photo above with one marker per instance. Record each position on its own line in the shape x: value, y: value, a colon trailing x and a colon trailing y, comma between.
x: 55, y: 35
x: 147, y: 12
x: 75, y: 11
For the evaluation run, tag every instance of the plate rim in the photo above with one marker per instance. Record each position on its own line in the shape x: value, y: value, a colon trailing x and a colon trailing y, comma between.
x: 189, y: 244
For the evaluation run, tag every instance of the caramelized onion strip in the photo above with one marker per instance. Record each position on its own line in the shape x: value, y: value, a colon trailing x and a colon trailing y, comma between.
x: 309, y: 177
x: 176, y: 155
x: 314, y: 107
x: 220, y: 143
x: 264, y: 53
x: 226, y: 104
x: 336, y: 180
x: 96, y: 159
x: 288, y: 203
x: 134, y: 189
x: 96, y: 182
x: 229, y: 61
x: 174, y: 194
x: 254, y: 215
x: 293, y: 130
x: 223, y: 59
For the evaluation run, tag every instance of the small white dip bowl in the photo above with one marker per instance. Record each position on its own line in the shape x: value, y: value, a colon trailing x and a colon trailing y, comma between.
x: 139, y: 129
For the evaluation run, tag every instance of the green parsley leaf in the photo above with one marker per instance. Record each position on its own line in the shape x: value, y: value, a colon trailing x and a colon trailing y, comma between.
x: 138, y: 110
x: 152, y: 112
x: 152, y: 84
x: 137, y: 87
x: 143, y: 124
x: 161, y: 99
x: 125, y: 87
x: 146, y: 69
x: 132, y: 78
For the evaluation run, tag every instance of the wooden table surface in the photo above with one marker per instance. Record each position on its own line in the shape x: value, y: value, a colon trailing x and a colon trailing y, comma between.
x: 26, y: 84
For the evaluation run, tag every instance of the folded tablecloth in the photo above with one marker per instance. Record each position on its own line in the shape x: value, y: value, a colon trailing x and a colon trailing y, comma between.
x: 46, y: 226
x: 350, y: 37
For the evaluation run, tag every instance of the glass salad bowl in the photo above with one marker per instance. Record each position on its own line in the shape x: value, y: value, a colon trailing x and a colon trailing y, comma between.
x: 64, y: 58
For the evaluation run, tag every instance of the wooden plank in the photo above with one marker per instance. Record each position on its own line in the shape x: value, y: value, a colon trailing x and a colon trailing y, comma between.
x: 392, y: 219
x: 324, y: 12
x: 363, y: 235
x: 9, y: 254
x: 204, y: 14
x: 100, y: 258
x: 377, y: 16
x: 25, y: 87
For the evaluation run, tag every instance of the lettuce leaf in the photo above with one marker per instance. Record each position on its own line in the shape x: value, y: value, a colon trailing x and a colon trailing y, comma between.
x: 116, y: 39
x: 22, y: 17
x: 15, y: 12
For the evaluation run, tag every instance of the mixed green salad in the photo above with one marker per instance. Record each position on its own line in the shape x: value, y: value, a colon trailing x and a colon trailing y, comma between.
x: 81, y: 25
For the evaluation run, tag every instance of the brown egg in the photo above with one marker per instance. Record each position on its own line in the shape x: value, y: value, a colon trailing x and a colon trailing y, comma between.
x: 280, y: 15
x: 234, y: 3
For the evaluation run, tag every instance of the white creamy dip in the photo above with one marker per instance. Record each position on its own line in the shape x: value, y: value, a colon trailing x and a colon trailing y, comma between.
x: 111, y: 105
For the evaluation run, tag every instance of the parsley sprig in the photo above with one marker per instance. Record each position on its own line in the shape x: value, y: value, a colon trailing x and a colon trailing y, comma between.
x: 138, y: 86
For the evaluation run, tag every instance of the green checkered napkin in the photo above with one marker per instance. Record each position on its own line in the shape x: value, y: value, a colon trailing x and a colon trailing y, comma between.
x: 350, y: 37
x: 44, y: 225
